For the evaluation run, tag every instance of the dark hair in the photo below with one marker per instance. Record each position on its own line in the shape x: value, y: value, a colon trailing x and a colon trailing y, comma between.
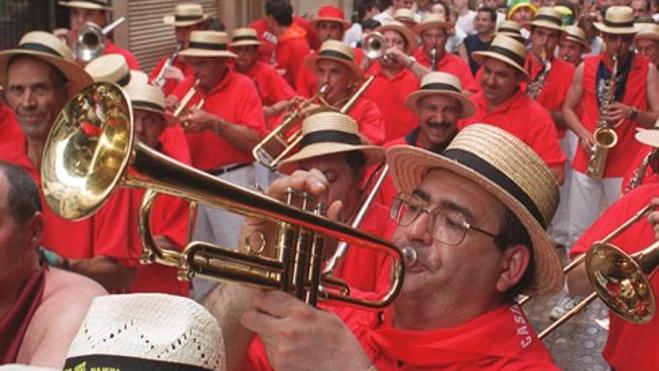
x: 490, y: 11
x: 364, y: 7
x: 57, y: 76
x: 281, y: 11
x: 23, y: 197
x: 370, y: 24
x: 447, y: 9
x: 356, y: 160
x: 513, y: 233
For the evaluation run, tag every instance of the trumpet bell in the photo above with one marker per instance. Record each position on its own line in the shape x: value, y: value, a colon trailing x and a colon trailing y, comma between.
x: 374, y: 45
x: 87, y: 151
x: 90, y: 42
x: 621, y: 281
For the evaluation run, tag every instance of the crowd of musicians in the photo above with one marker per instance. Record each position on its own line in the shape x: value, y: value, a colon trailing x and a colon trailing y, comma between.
x: 497, y: 136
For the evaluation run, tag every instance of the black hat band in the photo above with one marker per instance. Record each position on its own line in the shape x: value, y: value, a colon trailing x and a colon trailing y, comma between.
x: 507, y: 53
x: 183, y: 18
x: 618, y: 24
x: 40, y: 48
x: 441, y: 86
x: 334, y: 54
x: 544, y: 17
x: 244, y: 37
x: 329, y: 136
x: 117, y: 362
x: 147, y: 105
x: 496, y: 176
x: 208, y: 46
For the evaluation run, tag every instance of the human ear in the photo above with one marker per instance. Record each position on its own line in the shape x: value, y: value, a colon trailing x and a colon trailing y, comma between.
x: 514, y: 262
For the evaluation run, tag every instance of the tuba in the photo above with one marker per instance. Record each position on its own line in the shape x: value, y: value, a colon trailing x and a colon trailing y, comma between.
x: 81, y: 168
x: 605, y: 135
x: 90, y: 42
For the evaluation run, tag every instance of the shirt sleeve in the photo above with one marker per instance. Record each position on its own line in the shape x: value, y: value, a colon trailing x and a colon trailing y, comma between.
x: 251, y: 108
x: 545, y: 141
x: 114, y: 236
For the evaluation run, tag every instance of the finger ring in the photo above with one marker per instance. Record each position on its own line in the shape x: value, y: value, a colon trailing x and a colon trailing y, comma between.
x: 261, y: 245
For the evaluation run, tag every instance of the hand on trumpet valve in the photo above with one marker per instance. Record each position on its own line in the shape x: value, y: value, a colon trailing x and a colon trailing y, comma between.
x: 395, y: 56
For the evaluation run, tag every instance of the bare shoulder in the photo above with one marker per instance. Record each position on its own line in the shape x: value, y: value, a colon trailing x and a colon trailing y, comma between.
x: 65, y: 302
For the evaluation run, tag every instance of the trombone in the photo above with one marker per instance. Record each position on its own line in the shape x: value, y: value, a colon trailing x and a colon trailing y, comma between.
x: 81, y: 170
x: 276, y: 145
x: 90, y: 41
x: 184, y: 108
x: 620, y: 280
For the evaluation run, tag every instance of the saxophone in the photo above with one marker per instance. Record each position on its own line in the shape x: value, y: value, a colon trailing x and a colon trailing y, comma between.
x: 639, y: 173
x: 535, y: 87
x: 605, y: 135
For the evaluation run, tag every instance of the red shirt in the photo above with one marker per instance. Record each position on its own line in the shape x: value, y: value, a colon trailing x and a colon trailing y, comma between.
x: 496, y: 340
x: 635, y: 165
x: 271, y: 85
x: 234, y: 99
x: 169, y: 218
x: 174, y: 144
x: 557, y: 84
x: 10, y: 130
x: 170, y: 84
x: 513, y: 116
x: 269, y: 40
x: 628, y: 344
x: 369, y: 118
x: 110, y: 48
x: 292, y: 48
x: 102, y: 234
x: 450, y: 63
x: 389, y: 95
x: 307, y: 81
x: 620, y: 156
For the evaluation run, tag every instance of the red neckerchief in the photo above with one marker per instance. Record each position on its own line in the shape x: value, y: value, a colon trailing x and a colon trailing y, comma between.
x: 15, y: 322
x: 503, y: 333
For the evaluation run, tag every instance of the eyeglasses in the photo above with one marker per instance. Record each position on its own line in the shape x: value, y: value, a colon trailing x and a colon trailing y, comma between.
x: 448, y: 226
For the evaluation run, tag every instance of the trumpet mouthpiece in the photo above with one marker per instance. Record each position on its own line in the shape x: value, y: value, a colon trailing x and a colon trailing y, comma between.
x: 410, y: 256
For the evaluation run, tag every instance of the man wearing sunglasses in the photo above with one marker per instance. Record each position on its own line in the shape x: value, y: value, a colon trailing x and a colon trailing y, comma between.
x: 472, y: 222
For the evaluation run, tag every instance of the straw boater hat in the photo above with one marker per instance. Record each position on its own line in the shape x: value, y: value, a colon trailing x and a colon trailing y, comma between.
x: 619, y: 20
x: 186, y: 14
x: 504, y: 49
x: 147, y: 332
x: 49, y: 48
x: 148, y: 98
x: 207, y: 44
x: 510, y: 29
x: 109, y: 68
x: 405, y: 32
x: 244, y: 37
x: 330, y: 13
x: 518, y: 4
x: 647, y: 31
x: 508, y: 169
x: 329, y: 133
x: 432, y: 20
x: 89, y: 4
x: 548, y: 17
x: 575, y: 34
x: 440, y: 83
x: 649, y: 137
x: 337, y: 51
x: 405, y: 15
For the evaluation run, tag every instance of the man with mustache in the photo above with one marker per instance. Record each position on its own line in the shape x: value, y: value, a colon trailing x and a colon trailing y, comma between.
x: 475, y: 218
x: 502, y: 102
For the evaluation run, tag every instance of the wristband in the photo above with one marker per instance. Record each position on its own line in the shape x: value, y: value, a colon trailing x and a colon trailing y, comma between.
x: 634, y: 114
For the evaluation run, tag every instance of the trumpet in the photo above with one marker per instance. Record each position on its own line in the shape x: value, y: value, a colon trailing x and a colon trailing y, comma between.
x: 160, y: 80
x: 375, y: 46
x: 80, y: 171
x: 276, y: 145
x: 184, y: 108
x: 90, y: 41
x: 619, y: 279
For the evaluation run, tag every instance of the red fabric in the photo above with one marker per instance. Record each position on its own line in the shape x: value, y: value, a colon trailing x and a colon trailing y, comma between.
x: 628, y: 344
x: 16, y: 321
x: 269, y: 40
x: 9, y: 128
x: 307, y: 81
x: 95, y: 236
x: 365, y: 269
x: 388, y: 190
x: 271, y: 85
x: 389, y: 95
x: 291, y: 50
x: 234, y: 99
x: 111, y: 48
x: 170, y: 84
x: 450, y: 63
x: 513, y: 116
x: 556, y: 86
x: 169, y: 218
x: 623, y: 153
x: 649, y: 177
x: 369, y: 119
x: 500, y: 339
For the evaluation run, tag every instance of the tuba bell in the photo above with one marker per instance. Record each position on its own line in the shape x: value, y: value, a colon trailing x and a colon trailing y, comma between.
x: 87, y: 155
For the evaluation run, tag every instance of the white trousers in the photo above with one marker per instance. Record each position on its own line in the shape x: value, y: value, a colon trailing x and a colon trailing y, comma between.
x: 588, y: 198
x: 558, y: 230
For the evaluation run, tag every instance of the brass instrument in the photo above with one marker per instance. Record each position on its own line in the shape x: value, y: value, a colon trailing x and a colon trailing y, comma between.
x: 639, y: 173
x: 90, y: 40
x: 620, y: 280
x: 535, y: 87
x: 276, y: 145
x: 605, y: 136
x: 433, y: 59
x: 375, y: 46
x: 160, y: 80
x: 81, y: 168
x: 184, y: 108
